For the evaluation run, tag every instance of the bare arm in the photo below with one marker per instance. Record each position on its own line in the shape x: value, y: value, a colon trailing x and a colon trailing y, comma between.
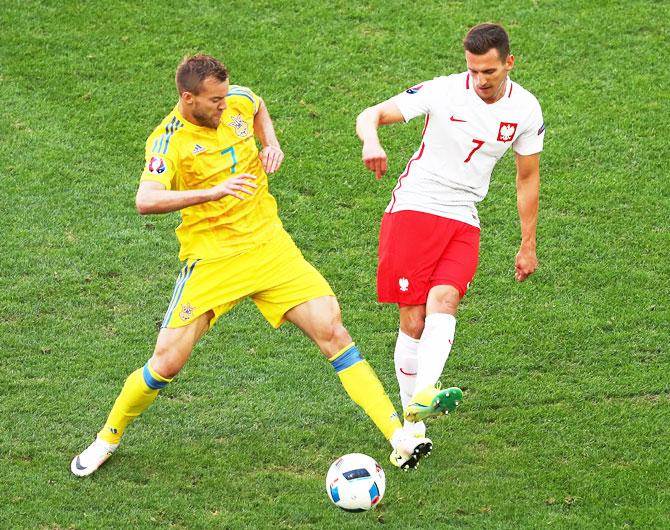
x: 152, y: 197
x: 527, y: 200
x: 367, y: 123
x: 271, y: 154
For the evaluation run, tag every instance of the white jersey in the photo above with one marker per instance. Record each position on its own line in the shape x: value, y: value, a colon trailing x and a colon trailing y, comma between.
x: 462, y: 140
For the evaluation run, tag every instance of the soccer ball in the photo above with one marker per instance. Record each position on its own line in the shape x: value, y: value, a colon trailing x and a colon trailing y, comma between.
x: 355, y: 482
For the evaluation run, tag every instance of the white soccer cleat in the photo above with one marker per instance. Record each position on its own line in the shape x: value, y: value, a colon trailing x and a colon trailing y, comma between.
x: 92, y: 458
x: 416, y: 429
x: 409, y: 450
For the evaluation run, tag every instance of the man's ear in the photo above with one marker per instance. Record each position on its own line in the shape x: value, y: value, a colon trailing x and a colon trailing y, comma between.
x: 509, y: 63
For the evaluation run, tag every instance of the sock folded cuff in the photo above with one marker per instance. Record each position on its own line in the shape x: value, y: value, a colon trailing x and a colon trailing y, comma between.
x: 440, y: 319
x: 406, y: 338
x: 153, y: 379
x: 346, y: 358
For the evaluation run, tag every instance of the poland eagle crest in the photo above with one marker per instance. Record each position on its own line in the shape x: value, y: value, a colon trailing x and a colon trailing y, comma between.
x: 506, y: 131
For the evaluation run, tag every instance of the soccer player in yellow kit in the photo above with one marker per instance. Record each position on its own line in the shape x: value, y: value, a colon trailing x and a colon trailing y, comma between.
x: 204, y: 161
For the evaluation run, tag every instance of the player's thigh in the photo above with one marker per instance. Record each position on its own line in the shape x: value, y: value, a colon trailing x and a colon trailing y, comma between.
x: 410, y: 246
x: 314, y: 314
x: 210, y: 285
x: 174, y: 345
x: 320, y: 319
x: 288, y: 283
x: 457, y: 264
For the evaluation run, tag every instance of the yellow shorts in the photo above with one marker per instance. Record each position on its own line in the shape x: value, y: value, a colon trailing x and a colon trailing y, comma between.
x: 274, y: 275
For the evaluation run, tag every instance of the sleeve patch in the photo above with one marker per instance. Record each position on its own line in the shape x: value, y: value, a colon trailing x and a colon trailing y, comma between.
x: 156, y: 165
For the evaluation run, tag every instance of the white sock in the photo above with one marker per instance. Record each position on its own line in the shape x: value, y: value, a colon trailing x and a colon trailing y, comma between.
x: 434, y: 348
x: 405, y: 357
x: 398, y: 435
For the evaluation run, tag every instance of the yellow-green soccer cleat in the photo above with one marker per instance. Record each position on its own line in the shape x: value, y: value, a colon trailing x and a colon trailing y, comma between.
x: 409, y: 450
x: 432, y: 401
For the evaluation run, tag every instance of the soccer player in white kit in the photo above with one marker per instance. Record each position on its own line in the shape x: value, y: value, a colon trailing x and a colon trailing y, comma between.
x: 429, y: 238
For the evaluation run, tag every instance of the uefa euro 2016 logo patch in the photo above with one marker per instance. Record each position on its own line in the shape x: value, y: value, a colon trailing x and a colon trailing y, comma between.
x: 156, y: 165
x: 186, y: 312
x: 241, y: 127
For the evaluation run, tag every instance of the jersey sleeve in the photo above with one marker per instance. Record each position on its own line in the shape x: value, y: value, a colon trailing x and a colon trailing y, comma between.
x: 417, y: 100
x: 531, y: 140
x: 243, y: 99
x: 161, y: 156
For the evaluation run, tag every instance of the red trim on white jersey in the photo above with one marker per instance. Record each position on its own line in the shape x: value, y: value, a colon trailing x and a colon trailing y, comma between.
x: 397, y: 187
x: 425, y: 126
x: 510, y: 89
x: 467, y: 82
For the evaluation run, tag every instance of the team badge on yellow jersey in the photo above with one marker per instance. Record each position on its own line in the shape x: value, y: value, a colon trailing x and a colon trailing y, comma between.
x: 240, y: 126
x: 186, y: 312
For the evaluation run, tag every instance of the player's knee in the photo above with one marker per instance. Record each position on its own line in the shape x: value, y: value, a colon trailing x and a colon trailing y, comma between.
x: 413, y: 320
x: 166, y: 362
x: 413, y: 326
x: 340, y: 337
x: 443, y: 299
x: 449, y: 306
x: 333, y: 336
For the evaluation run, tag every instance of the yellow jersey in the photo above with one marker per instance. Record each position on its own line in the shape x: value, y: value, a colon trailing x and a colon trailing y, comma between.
x: 184, y: 156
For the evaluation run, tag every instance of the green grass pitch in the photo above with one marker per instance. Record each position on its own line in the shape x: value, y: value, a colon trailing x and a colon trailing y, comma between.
x: 566, y: 420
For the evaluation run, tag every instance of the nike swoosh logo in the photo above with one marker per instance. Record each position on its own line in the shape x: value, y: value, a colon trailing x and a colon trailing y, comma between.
x: 407, y: 373
x: 78, y: 465
x: 456, y: 119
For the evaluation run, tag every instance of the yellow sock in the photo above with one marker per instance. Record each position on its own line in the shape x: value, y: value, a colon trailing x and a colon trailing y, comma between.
x: 139, y: 391
x: 364, y: 388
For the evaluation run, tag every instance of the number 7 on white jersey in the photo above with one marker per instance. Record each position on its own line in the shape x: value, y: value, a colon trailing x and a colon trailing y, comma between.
x: 478, y: 144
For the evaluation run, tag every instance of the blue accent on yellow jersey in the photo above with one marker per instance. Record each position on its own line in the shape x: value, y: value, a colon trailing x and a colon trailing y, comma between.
x: 237, y: 90
x: 347, y: 359
x: 161, y: 144
x: 183, y: 277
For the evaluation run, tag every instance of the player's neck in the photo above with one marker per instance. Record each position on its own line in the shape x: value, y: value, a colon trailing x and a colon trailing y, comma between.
x: 498, y: 95
x: 186, y: 114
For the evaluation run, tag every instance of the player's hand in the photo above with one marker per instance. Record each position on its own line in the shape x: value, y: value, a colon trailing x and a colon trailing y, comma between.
x: 235, y: 187
x: 271, y: 157
x: 525, y: 262
x: 375, y: 159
